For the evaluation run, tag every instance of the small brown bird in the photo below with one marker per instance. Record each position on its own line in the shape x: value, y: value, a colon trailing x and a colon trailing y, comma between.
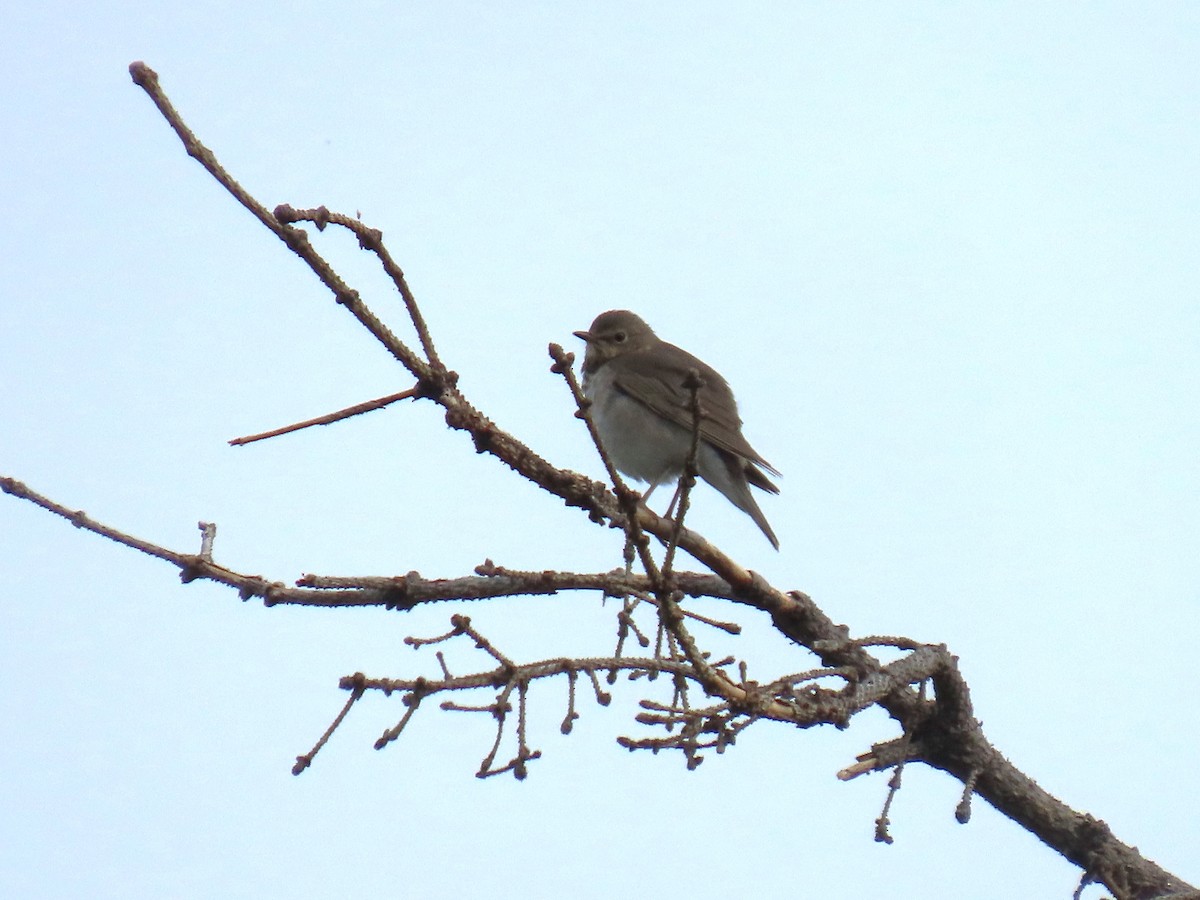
x: 643, y: 412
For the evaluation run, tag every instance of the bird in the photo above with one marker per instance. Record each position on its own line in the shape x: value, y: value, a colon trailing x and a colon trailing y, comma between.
x: 642, y: 410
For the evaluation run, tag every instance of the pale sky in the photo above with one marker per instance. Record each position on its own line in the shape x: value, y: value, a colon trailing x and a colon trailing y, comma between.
x: 946, y: 255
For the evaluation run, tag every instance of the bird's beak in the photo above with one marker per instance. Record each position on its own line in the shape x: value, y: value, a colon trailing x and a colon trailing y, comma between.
x: 585, y: 336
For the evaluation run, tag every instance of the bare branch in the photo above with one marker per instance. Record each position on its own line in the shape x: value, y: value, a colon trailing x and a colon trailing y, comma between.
x: 940, y: 731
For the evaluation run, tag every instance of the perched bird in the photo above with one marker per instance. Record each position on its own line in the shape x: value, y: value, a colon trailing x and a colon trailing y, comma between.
x: 644, y: 415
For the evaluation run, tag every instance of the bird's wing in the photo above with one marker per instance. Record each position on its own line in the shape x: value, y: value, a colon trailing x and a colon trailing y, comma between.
x: 655, y: 379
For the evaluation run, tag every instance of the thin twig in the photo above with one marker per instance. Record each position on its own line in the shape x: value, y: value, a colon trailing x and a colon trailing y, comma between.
x: 303, y: 762
x: 687, y: 478
x: 329, y: 418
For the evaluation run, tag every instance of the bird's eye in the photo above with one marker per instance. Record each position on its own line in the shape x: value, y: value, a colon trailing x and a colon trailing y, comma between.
x: 619, y: 337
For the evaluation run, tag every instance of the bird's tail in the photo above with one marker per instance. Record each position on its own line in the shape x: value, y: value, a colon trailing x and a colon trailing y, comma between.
x: 733, y: 477
x: 750, y: 507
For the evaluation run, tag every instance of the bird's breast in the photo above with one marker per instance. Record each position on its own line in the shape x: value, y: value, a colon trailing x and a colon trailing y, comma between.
x: 640, y: 443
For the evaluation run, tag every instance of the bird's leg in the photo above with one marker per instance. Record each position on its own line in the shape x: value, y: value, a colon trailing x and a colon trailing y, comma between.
x: 674, y: 499
x: 650, y: 490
